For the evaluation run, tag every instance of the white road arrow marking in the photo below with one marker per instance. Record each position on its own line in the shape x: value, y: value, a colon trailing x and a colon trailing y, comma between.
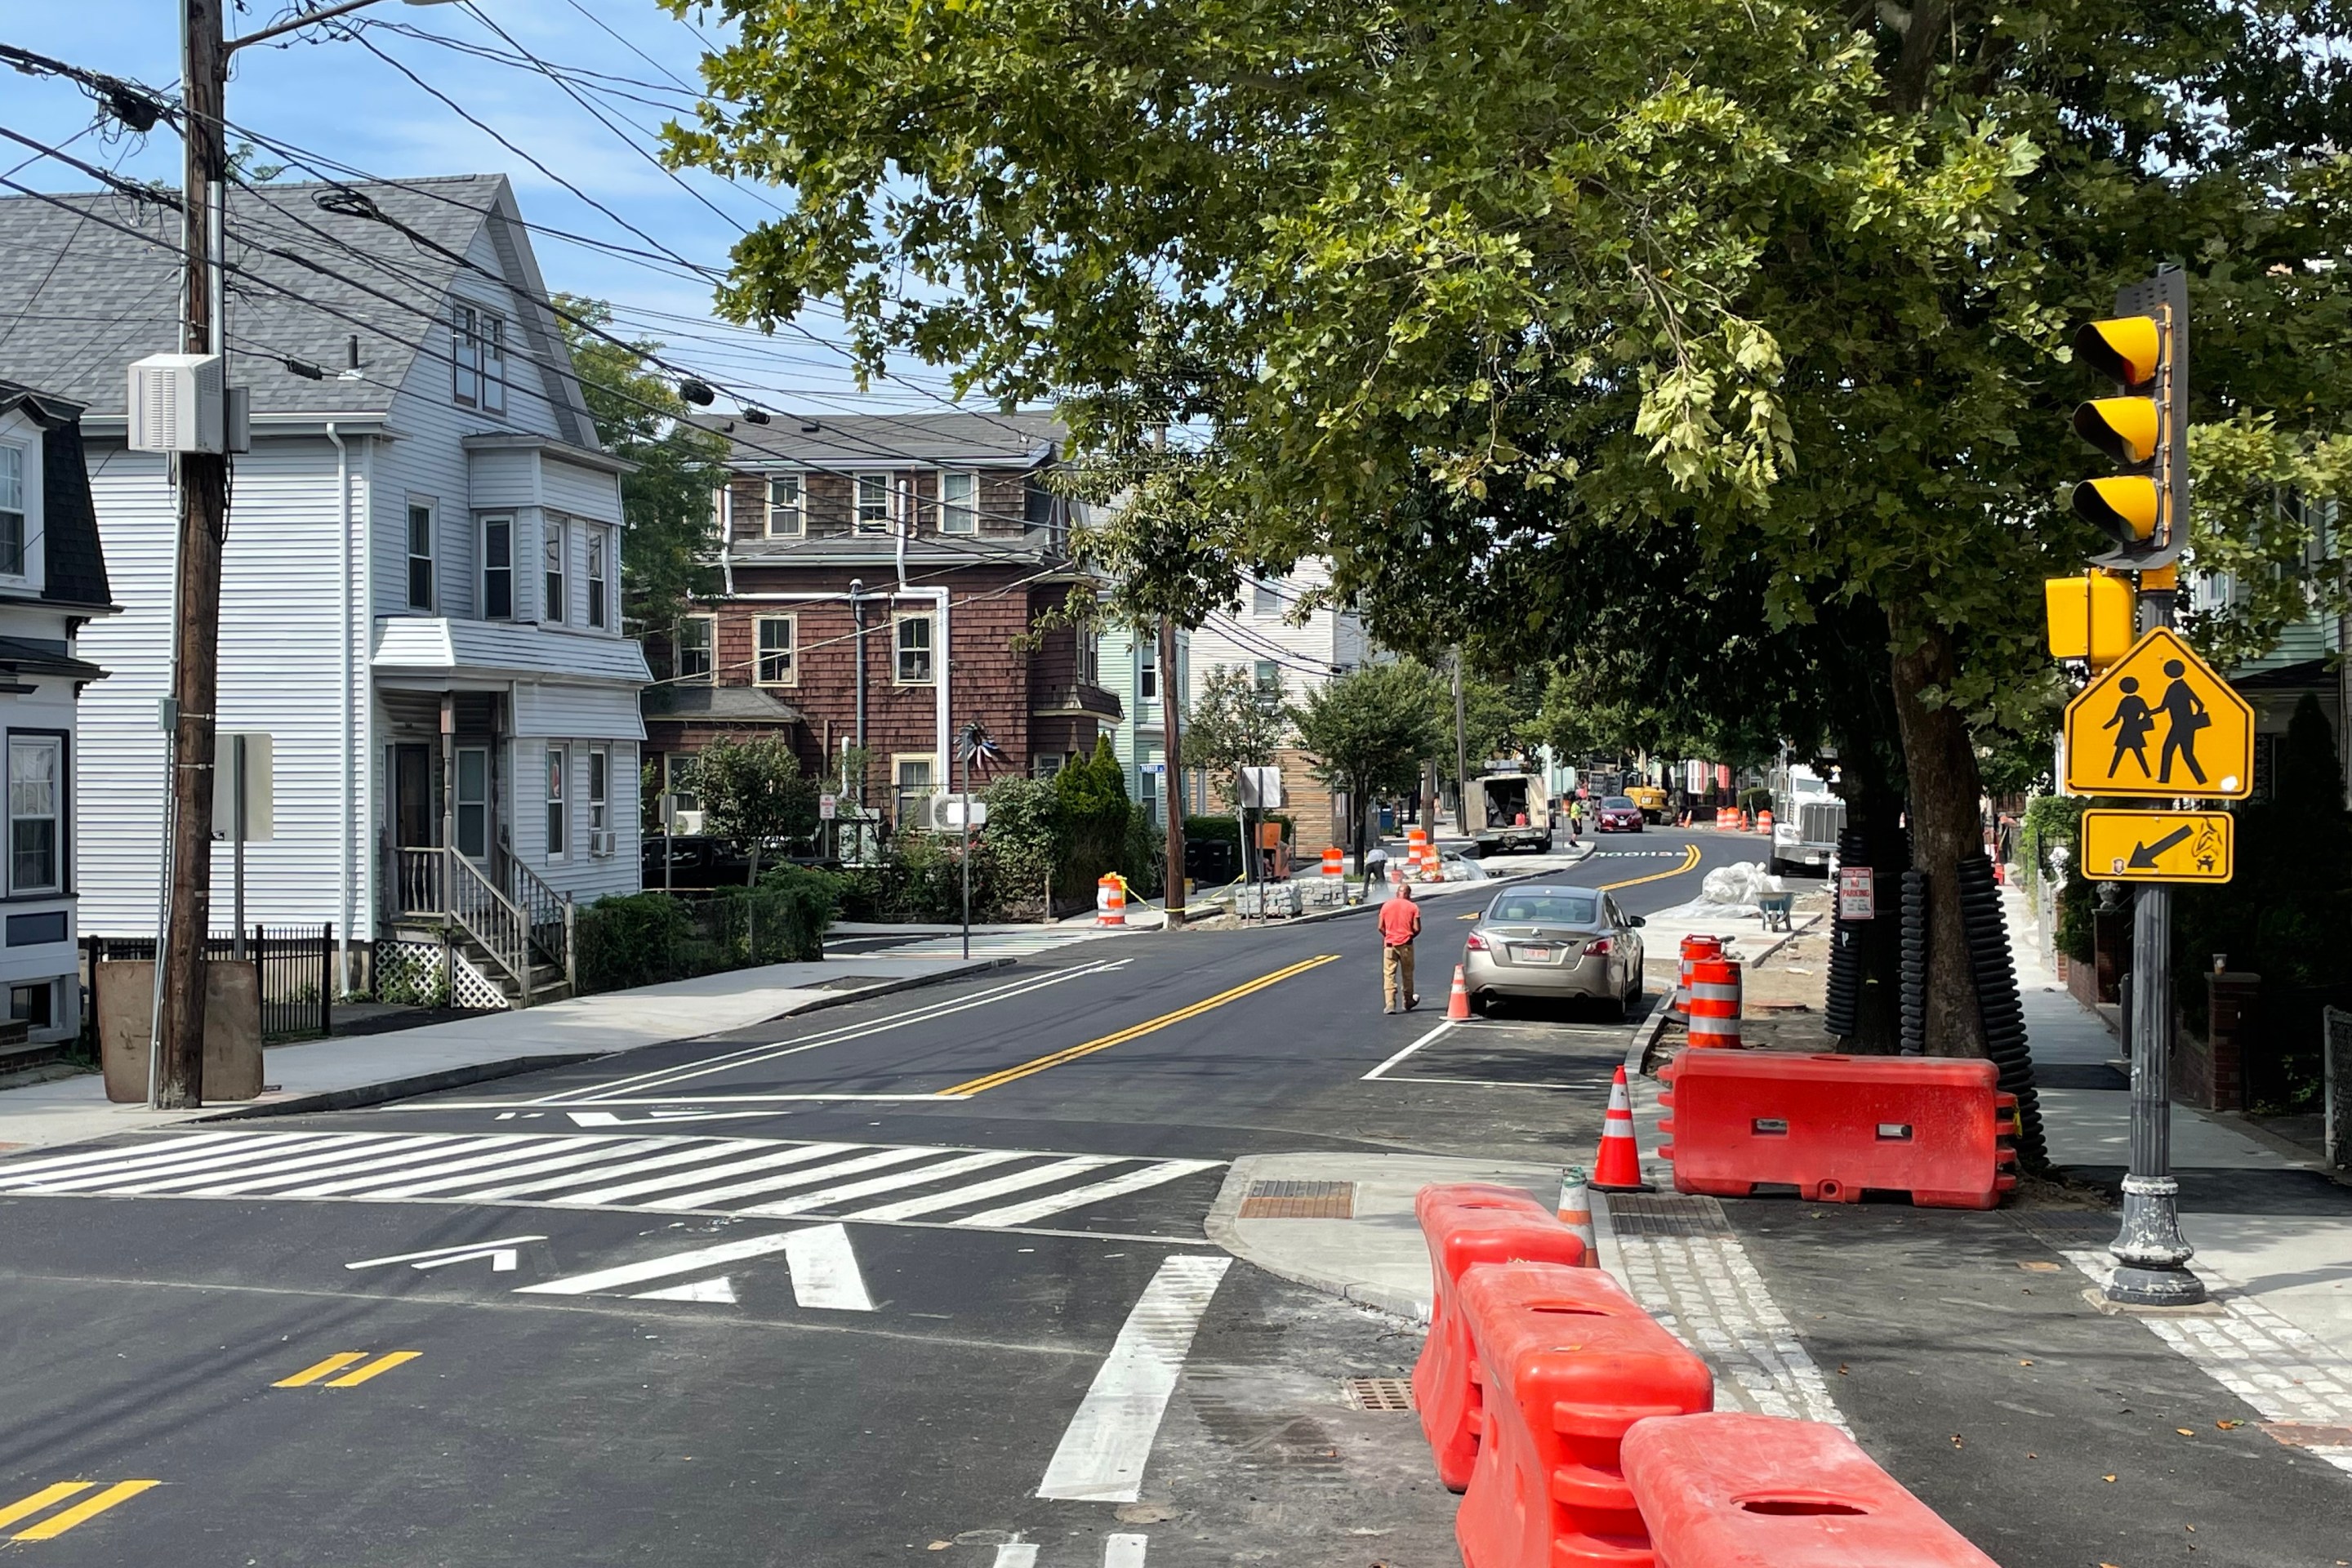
x: 608, y: 1119
x: 501, y: 1254
x: 823, y: 1270
x: 719, y: 1290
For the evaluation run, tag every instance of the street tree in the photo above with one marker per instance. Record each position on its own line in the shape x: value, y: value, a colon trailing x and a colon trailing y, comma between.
x: 1365, y: 735
x: 1235, y: 723
x: 753, y: 792
x: 665, y: 558
x: 1793, y: 281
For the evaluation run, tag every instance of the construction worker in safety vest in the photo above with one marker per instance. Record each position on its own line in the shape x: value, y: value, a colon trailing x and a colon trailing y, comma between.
x: 1400, y: 923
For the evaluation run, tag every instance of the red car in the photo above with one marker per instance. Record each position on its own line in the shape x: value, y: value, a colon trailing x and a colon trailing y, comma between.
x: 1618, y: 813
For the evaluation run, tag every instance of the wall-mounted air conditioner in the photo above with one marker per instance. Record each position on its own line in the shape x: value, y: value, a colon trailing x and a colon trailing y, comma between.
x: 180, y: 403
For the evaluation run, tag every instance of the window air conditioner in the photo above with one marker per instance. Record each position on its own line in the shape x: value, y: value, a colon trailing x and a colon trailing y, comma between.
x: 600, y: 841
x: 178, y: 404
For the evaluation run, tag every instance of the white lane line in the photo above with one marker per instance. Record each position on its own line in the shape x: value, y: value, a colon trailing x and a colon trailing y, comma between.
x: 1151, y: 1176
x: 1392, y: 1061
x: 1016, y: 1554
x: 1036, y: 1176
x: 795, y: 1154
x: 827, y: 1197
x: 876, y: 1160
x: 58, y: 1165
x: 695, y: 1151
x: 692, y: 1262
x: 1108, y: 1441
x: 228, y: 1160
x: 1123, y: 1551
x: 755, y: 1055
x: 458, y: 1176
x: 344, y: 1162
x: 824, y: 1270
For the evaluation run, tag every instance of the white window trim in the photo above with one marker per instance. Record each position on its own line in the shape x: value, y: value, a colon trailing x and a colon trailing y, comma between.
x: 465, y: 355
x: 28, y: 479
x: 600, y: 813
x: 677, y: 646
x: 970, y: 508
x: 482, y: 573
x: 60, y: 879
x: 792, y: 650
x: 554, y: 607
x: 797, y: 512
x: 557, y: 800
x: 898, y: 803
x: 858, y: 521
x: 597, y: 575
x: 494, y: 360
x: 897, y: 648
x: 431, y: 510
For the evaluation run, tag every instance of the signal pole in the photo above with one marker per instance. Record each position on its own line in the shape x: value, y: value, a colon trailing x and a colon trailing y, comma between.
x: 1172, y: 787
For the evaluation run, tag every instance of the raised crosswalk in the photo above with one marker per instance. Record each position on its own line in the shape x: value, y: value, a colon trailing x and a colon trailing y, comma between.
x: 978, y: 1188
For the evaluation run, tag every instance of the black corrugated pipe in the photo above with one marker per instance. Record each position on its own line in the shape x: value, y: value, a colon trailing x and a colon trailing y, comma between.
x: 1997, y: 1002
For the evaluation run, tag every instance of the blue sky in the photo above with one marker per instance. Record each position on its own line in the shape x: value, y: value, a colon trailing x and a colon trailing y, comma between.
x: 336, y: 99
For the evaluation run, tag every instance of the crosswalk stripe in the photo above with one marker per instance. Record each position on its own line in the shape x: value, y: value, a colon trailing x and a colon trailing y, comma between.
x: 699, y: 1152
x: 62, y: 1164
x: 272, y: 1149
x: 876, y: 1160
x: 793, y: 1156
x: 825, y: 1197
x: 464, y: 1174
x: 824, y: 1270
x: 1117, y: 1187
x: 302, y: 1172
x: 955, y: 1197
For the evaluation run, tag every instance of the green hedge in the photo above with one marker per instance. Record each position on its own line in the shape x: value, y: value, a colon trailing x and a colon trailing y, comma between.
x: 644, y: 938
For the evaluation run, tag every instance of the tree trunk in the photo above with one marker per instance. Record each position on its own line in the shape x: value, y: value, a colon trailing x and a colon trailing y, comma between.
x: 1941, y: 763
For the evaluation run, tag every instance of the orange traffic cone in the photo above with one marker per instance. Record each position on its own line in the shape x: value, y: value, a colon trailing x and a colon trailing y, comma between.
x: 1618, y: 1166
x: 1576, y: 1213
x: 1457, y: 1007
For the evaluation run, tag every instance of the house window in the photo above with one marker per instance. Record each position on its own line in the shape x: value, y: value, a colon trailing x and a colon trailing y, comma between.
x: 958, y: 503
x: 599, y: 767
x: 776, y: 666
x: 497, y: 568
x: 34, y: 1005
x: 912, y: 776
x: 420, y: 557
x: 914, y: 647
x: 694, y: 636
x: 598, y: 541
x: 36, y: 788
x: 677, y: 773
x: 1149, y: 794
x: 478, y: 364
x: 558, y: 764
x: 873, y: 503
x: 1264, y: 600
x: 1147, y: 670
x: 787, y: 506
x: 554, y: 539
x: 473, y: 802
x: 1269, y: 677
x: 12, y: 511
x: 1045, y: 765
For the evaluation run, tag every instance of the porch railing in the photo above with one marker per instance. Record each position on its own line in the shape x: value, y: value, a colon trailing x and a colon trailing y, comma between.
x: 546, y: 914
x: 435, y: 882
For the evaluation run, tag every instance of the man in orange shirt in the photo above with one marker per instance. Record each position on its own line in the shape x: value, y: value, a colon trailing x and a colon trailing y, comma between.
x: 1400, y: 923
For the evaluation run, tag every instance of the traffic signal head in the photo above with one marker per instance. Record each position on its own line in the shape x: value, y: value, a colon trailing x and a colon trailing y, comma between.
x: 2125, y: 429
x: 2125, y: 349
x: 2124, y: 509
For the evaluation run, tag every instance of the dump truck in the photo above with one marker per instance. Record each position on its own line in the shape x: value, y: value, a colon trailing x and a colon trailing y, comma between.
x: 1506, y: 811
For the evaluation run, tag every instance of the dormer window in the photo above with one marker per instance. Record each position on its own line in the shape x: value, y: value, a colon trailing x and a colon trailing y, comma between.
x: 478, y: 359
x: 12, y: 511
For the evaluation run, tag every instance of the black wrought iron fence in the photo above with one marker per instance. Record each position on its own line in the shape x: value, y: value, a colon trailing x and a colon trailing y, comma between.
x: 295, y: 966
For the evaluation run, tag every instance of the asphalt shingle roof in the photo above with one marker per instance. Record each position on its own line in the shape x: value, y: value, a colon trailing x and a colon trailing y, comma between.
x: 80, y: 298
x: 881, y: 440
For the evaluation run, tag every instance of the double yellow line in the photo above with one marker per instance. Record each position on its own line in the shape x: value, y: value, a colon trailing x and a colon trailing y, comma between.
x: 1690, y: 858
x: 57, y: 1524
x: 1136, y: 1031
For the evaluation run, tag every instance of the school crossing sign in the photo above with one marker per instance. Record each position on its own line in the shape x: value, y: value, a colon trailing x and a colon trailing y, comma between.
x: 2159, y: 723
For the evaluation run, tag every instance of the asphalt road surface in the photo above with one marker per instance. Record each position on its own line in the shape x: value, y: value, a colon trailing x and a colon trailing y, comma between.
x: 909, y: 1281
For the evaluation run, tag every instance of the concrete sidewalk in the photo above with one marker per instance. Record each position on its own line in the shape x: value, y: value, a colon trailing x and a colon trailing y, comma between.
x: 367, y: 1069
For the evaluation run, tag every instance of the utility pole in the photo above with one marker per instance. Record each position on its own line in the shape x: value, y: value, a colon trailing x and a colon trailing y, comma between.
x: 177, y: 1080
x: 1461, y: 751
x: 1172, y: 792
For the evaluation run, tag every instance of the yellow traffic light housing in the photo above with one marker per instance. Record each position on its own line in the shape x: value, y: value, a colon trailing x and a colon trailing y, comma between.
x: 2091, y: 617
x: 2125, y: 510
x: 2125, y: 429
x: 2143, y: 347
x: 2127, y: 348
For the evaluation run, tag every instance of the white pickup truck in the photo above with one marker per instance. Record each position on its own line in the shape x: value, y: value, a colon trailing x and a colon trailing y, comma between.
x: 1506, y: 811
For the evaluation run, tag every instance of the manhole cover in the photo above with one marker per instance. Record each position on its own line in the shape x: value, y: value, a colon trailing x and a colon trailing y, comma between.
x: 1377, y: 1392
x: 1299, y: 1200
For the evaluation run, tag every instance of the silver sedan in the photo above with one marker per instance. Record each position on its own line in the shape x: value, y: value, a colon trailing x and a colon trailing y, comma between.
x: 1562, y: 944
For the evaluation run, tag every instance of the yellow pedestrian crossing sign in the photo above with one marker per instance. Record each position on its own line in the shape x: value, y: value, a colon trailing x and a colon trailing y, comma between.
x: 2159, y: 722
x: 2157, y: 846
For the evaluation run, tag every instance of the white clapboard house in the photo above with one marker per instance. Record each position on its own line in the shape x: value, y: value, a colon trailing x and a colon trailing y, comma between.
x: 421, y: 589
x: 52, y: 584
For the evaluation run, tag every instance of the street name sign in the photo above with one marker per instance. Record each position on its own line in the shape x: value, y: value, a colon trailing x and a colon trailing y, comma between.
x: 2158, y: 845
x: 2159, y: 723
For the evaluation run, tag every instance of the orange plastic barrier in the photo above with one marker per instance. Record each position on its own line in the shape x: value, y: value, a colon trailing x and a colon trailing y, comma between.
x: 1834, y: 1127
x: 1570, y: 1362
x: 1714, y: 1002
x: 1733, y: 1490
x: 1467, y: 1225
x: 1764, y: 823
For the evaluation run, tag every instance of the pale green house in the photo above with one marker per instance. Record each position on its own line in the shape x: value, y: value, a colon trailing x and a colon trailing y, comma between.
x: 1128, y: 665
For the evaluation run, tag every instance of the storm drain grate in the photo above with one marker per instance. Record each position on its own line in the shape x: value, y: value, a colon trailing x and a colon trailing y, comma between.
x: 1666, y: 1214
x: 1377, y: 1392
x: 1299, y: 1200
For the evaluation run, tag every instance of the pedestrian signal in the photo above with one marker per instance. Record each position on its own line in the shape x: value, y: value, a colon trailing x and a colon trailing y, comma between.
x: 2090, y: 617
x: 2144, y: 348
x: 2160, y: 722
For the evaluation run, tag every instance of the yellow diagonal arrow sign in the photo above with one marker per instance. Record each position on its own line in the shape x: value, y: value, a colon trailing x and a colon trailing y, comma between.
x: 2157, y: 846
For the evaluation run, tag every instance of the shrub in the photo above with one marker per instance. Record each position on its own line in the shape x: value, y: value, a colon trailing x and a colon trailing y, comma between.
x: 632, y: 939
x: 1752, y: 801
x: 643, y: 939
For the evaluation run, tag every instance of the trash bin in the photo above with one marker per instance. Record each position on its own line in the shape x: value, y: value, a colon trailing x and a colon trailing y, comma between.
x: 1212, y: 862
x: 124, y: 997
